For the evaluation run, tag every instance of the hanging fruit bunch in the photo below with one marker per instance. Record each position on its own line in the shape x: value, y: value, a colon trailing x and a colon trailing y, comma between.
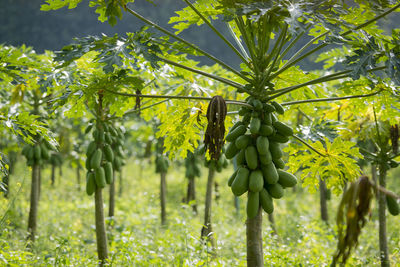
x: 38, y: 153
x: 192, y: 166
x: 162, y: 163
x: 255, y: 142
x: 104, y: 154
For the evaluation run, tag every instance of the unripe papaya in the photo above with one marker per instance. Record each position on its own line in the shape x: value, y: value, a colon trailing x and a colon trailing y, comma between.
x: 108, y: 138
x: 232, y: 135
x: 44, y: 151
x: 243, y: 141
x: 109, y: 154
x: 257, y: 104
x: 275, y: 150
x: 95, y: 159
x: 279, y: 109
x: 100, y: 177
x: 30, y: 153
x: 279, y: 138
x: 268, y: 107
x: 231, y: 150
x: 392, y: 205
x: 275, y: 190
x: 279, y: 163
x: 251, y: 157
x: 91, y: 148
x: 37, y: 152
x: 253, y: 204
x: 283, y: 128
x: 240, y: 157
x: 90, y: 183
x: 270, y: 174
x: 89, y: 128
x: 265, y: 159
x: 117, y: 164
x: 232, y: 178
x: 262, y: 145
x: 108, y: 171
x: 241, y: 182
x: 267, y: 118
x: 255, y: 125
x: 266, y: 201
x: 266, y: 130
x: 256, y: 181
x: 286, y: 179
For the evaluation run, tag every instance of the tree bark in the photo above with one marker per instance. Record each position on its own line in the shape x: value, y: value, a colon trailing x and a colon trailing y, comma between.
x: 112, y: 197
x: 53, y: 174
x: 323, y: 201
x: 101, y: 236
x: 34, y: 202
x: 191, y: 193
x: 254, y: 241
x: 163, y: 197
x: 383, y: 246
x: 206, y: 231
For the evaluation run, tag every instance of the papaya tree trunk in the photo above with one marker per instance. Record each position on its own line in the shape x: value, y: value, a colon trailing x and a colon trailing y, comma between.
x: 206, y: 231
x: 101, y: 236
x: 53, y: 174
x: 254, y: 241
x: 163, y: 197
x: 112, y: 197
x: 78, y: 177
x: 383, y: 246
x: 191, y: 193
x: 34, y: 202
x: 39, y: 181
x: 323, y: 200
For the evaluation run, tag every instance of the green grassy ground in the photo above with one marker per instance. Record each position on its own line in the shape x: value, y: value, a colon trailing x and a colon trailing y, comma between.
x: 66, y: 234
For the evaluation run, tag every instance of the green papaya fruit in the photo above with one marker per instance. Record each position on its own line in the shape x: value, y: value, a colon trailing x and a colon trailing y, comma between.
x: 265, y: 159
x: 88, y: 128
x: 232, y: 135
x: 392, y: 205
x: 268, y: 107
x: 91, y: 148
x: 240, y: 184
x: 253, y: 204
x: 255, y: 125
x: 37, y: 152
x: 267, y: 118
x: 232, y: 178
x: 117, y: 164
x: 266, y: 201
x: 279, y: 163
x: 256, y: 181
x: 279, y: 109
x: 262, y: 145
x: 286, y: 179
x: 108, y: 152
x: 95, y: 159
x: 90, y: 183
x: 266, y: 130
x: 275, y: 190
x: 243, y: 141
x: 251, y: 157
x: 108, y: 171
x: 44, y: 151
x: 240, y: 157
x: 283, y: 128
x: 270, y: 173
x: 231, y: 150
x: 30, y: 153
x: 257, y: 104
x: 100, y: 177
x: 275, y: 150
x: 279, y: 138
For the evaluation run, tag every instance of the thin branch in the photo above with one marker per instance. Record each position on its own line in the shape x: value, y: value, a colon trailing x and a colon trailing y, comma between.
x: 223, y: 64
x: 143, y: 108
x: 216, y: 31
x: 238, y: 43
x: 308, y: 145
x: 198, y: 98
x: 277, y: 49
x: 384, y: 190
x: 363, y: 150
x: 329, y: 99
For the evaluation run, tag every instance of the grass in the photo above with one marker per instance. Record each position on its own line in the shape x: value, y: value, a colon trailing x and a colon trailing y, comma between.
x: 66, y: 233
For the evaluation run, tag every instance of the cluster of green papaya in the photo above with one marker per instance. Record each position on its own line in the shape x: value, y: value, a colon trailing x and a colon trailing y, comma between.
x: 38, y: 153
x: 218, y: 165
x: 255, y: 142
x: 392, y: 205
x: 104, y: 155
x: 162, y: 163
x: 192, y: 165
x: 55, y: 159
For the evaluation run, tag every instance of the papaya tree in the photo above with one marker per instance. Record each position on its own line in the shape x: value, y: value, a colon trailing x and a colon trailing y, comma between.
x: 265, y: 34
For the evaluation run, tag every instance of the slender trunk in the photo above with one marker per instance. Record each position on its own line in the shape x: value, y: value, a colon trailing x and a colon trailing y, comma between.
x: 112, y: 197
x: 101, y: 236
x: 323, y: 201
x: 60, y: 171
x: 120, y: 183
x: 39, y: 181
x: 254, y: 241
x: 191, y: 193
x: 78, y: 177
x: 271, y: 220
x: 383, y: 246
x: 206, y: 231
x: 163, y: 196
x: 53, y: 174
x: 237, y: 205
x: 33, y: 210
